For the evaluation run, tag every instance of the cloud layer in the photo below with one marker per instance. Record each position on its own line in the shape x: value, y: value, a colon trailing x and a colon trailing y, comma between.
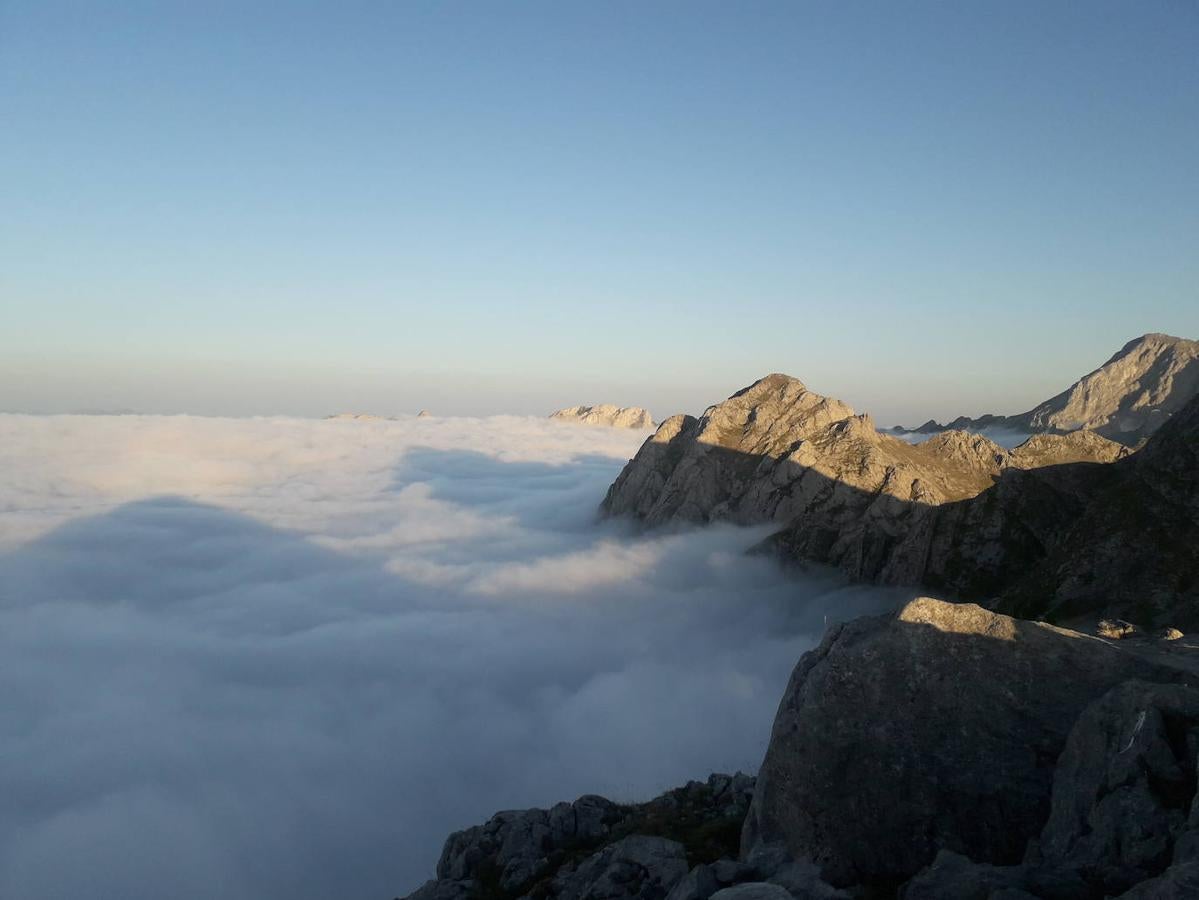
x: 282, y: 657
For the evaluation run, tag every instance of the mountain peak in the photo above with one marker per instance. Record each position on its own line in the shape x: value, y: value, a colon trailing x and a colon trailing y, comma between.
x: 775, y: 381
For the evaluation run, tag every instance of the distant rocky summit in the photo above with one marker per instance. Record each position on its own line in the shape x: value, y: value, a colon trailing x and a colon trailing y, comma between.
x: 1063, y: 525
x: 606, y: 414
x: 1126, y: 399
x: 361, y: 417
x: 940, y: 752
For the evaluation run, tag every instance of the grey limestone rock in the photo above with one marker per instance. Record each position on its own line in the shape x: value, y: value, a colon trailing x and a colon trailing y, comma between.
x: 933, y: 729
x: 698, y: 884
x: 1126, y: 399
x: 639, y: 866
x: 1124, y: 787
x: 753, y: 890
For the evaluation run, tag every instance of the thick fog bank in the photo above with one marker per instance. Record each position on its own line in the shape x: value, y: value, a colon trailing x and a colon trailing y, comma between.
x: 283, y: 658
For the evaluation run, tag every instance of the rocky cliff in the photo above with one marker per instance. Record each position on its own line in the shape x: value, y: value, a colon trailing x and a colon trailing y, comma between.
x: 1126, y: 399
x: 944, y: 751
x: 934, y: 729
x: 606, y: 414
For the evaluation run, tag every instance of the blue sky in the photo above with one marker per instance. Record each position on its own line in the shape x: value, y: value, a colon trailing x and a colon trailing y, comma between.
x: 925, y: 209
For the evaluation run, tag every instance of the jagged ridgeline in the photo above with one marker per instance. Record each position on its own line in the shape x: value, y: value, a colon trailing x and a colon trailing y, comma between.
x: 1064, y: 525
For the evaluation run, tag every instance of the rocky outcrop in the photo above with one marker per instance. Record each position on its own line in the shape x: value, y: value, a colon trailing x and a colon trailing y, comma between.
x: 937, y: 729
x: 1042, y: 450
x: 639, y: 867
x: 594, y: 848
x: 1126, y: 399
x: 606, y: 414
x: 1124, y: 788
x: 1124, y: 819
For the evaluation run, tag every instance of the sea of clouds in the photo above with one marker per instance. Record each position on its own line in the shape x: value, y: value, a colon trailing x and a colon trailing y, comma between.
x: 258, y: 658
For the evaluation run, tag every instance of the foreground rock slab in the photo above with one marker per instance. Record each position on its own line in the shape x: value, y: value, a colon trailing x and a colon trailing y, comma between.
x: 934, y: 729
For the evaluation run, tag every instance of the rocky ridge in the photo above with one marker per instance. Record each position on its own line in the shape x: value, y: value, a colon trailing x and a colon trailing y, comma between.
x: 776, y: 450
x: 1062, y: 526
x: 1062, y: 541
x: 1126, y: 399
x: 606, y: 414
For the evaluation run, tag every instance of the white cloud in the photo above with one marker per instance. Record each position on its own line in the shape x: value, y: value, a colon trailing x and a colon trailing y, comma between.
x: 282, y: 657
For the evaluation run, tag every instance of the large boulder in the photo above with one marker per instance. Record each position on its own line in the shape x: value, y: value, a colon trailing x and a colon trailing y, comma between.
x: 594, y: 848
x: 1180, y: 882
x: 753, y: 890
x: 638, y: 867
x: 933, y: 729
x: 1124, y: 789
x: 514, y: 846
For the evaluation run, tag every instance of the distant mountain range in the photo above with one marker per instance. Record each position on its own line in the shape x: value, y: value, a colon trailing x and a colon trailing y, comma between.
x: 1126, y: 399
x: 606, y: 414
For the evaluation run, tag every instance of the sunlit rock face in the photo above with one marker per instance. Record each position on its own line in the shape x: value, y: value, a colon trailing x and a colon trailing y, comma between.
x: 776, y: 450
x: 936, y: 728
x: 1126, y: 399
x: 1064, y: 525
x: 841, y: 492
x: 1131, y: 395
x: 606, y: 414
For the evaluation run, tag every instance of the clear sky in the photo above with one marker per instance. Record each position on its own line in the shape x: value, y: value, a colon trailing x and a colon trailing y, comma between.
x: 925, y: 209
